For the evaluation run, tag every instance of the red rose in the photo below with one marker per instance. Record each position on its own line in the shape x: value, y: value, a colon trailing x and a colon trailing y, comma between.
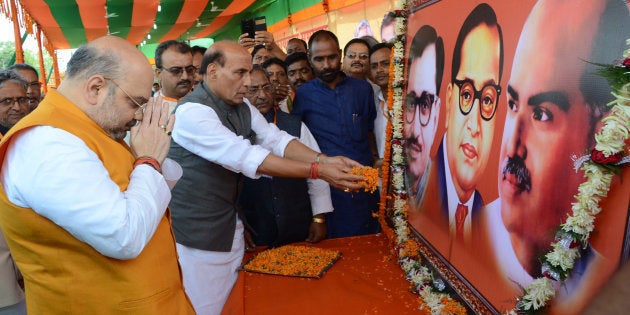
x: 599, y: 157
x: 626, y: 63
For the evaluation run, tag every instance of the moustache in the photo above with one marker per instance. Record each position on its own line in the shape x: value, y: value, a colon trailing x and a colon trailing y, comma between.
x: 516, y: 166
x: 299, y: 82
x: 184, y: 82
x: 412, y: 141
x: 357, y: 63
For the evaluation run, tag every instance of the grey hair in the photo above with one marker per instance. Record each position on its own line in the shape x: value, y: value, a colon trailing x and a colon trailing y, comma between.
x: 88, y: 61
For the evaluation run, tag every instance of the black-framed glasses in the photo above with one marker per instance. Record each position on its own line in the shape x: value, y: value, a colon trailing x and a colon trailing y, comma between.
x: 9, y: 101
x: 423, y: 104
x: 144, y: 101
x: 488, y: 97
x: 253, y: 90
x: 362, y: 56
x: 178, y: 71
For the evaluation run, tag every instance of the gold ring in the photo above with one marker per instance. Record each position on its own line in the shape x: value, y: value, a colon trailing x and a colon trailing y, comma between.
x: 163, y: 127
x: 347, y: 189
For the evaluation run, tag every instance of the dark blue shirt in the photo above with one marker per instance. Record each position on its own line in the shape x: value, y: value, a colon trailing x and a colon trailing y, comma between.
x: 339, y: 119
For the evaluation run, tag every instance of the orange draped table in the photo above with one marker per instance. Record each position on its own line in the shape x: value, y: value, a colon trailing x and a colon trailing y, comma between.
x: 363, y: 281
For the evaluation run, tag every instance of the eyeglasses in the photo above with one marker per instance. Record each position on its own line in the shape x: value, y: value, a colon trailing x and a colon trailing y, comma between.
x: 424, y: 102
x: 8, y: 101
x: 177, y: 71
x: 144, y: 101
x: 488, y: 98
x: 361, y: 56
x: 253, y: 90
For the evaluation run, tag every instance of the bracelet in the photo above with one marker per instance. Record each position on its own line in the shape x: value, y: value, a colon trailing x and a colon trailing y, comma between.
x: 151, y: 161
x: 317, y: 157
x: 319, y: 220
x: 313, y: 172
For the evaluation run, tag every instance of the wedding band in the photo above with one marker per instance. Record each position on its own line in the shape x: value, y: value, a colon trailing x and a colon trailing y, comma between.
x: 347, y: 189
x: 163, y: 127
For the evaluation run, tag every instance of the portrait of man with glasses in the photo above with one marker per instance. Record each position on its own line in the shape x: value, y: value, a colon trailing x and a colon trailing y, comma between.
x: 471, y: 100
x: 422, y: 108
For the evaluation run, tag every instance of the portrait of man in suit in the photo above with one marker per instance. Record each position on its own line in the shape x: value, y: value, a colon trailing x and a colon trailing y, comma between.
x: 422, y: 108
x: 472, y: 97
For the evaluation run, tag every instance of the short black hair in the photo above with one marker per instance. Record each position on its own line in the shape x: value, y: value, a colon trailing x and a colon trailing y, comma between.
x: 295, y: 57
x: 424, y: 37
x: 256, y: 49
x: 23, y: 66
x: 198, y: 49
x: 481, y: 14
x: 274, y: 61
x: 355, y: 41
x: 301, y: 41
x: 320, y: 35
x: 380, y: 46
x: 180, y: 46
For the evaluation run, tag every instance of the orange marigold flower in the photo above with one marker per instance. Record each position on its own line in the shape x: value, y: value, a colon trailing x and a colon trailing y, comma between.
x: 371, y: 177
x: 292, y: 260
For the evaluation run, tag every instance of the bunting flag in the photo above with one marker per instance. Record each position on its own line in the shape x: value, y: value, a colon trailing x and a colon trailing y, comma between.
x: 71, y: 23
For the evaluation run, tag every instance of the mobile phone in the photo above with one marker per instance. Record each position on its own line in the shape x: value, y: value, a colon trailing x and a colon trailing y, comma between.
x: 247, y: 27
x: 260, y: 23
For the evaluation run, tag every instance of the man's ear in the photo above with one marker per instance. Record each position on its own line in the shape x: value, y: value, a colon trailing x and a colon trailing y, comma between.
x: 449, y: 102
x: 211, y: 71
x: 94, y: 88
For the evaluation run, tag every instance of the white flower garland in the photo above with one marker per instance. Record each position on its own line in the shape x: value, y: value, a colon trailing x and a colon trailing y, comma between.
x: 575, y: 231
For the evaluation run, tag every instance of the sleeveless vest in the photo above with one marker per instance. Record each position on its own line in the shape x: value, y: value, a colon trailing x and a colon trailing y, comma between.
x: 278, y: 208
x: 205, y: 199
x: 66, y: 276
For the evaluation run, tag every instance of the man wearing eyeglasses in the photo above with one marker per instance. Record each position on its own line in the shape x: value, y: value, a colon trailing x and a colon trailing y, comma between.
x: 422, y: 108
x: 356, y: 59
x: 84, y: 214
x: 174, y: 69
x: 14, y: 102
x: 472, y: 97
x: 34, y: 87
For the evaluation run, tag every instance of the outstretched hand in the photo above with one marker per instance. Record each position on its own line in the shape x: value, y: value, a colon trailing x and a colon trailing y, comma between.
x: 336, y: 171
x: 151, y: 135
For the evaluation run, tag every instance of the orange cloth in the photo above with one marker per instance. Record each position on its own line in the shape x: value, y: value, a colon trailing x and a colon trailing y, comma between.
x: 361, y: 282
x: 66, y: 276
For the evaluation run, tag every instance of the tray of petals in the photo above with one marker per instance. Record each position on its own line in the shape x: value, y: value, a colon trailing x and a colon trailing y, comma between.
x: 293, y: 261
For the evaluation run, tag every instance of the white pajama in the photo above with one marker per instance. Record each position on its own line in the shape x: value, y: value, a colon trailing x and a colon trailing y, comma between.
x: 209, y: 276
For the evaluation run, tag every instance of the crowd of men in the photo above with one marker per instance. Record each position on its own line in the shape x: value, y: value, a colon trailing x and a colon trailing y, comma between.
x: 261, y: 142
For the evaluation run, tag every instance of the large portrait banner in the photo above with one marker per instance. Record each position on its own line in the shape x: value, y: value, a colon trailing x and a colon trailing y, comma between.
x: 501, y: 98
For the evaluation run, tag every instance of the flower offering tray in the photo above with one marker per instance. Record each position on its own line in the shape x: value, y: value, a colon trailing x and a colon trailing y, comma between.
x: 293, y: 261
